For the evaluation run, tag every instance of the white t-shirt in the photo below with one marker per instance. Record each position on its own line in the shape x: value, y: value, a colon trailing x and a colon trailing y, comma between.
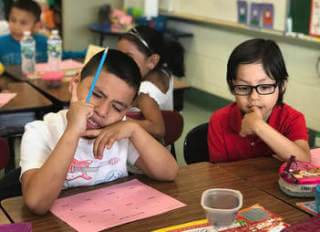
x: 41, y: 137
x: 164, y: 100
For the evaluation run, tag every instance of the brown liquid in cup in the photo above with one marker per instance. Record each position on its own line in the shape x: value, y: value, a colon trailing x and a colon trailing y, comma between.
x: 222, y: 201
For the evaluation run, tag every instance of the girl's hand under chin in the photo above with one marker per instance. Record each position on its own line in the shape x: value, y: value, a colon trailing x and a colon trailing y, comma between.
x: 250, y: 120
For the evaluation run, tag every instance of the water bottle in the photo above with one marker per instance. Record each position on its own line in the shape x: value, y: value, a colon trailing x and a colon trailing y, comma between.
x: 54, y: 51
x: 28, y: 53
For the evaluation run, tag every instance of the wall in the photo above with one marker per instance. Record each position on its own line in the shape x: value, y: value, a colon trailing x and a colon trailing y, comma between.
x: 223, y: 9
x: 77, y: 15
x: 208, y: 51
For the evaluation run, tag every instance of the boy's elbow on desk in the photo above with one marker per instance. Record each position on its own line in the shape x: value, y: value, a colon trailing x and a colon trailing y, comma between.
x: 171, y: 173
x: 35, y: 205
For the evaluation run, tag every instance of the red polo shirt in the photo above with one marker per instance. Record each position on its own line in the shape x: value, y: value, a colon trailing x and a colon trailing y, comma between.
x: 225, y: 143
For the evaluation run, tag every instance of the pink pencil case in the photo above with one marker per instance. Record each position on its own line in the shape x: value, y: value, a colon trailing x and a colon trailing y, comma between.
x: 54, y: 75
x: 299, y: 179
x: 53, y: 78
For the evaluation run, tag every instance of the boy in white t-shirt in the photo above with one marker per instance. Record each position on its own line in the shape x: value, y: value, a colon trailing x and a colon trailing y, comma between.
x: 91, y: 142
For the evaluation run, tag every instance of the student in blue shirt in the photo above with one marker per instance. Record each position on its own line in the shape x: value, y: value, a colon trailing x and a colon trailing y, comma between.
x: 25, y: 16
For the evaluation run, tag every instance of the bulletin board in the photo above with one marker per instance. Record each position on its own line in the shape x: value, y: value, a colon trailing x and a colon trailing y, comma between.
x: 314, y: 28
x: 225, y: 10
x: 300, y: 14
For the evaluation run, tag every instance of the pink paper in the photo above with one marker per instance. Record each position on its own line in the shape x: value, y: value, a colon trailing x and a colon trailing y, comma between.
x: 65, y: 65
x: 114, y: 205
x: 6, y: 97
x: 315, y: 157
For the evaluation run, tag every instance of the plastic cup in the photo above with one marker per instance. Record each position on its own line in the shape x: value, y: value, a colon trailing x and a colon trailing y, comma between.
x: 221, y: 206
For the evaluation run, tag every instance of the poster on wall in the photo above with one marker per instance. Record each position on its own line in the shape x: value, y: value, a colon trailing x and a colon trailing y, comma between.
x: 267, y: 15
x: 314, y: 27
x: 255, y: 15
x: 242, y: 12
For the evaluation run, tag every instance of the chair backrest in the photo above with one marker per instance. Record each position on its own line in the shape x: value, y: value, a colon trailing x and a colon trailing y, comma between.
x: 195, y: 148
x: 173, y: 122
x: 4, y: 153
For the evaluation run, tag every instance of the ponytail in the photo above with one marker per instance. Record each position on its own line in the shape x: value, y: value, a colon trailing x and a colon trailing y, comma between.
x: 173, y: 55
x: 150, y: 41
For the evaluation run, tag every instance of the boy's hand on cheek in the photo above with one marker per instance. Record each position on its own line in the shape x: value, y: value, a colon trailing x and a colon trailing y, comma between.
x: 92, y: 133
x: 249, y: 121
x: 111, y: 134
x: 78, y: 114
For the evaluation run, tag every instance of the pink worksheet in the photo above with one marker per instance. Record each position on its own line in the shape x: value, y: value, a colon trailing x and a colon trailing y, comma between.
x: 114, y: 205
x: 65, y: 65
x: 6, y: 97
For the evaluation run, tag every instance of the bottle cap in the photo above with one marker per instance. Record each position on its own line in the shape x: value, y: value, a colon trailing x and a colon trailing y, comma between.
x: 55, y: 32
x: 27, y: 33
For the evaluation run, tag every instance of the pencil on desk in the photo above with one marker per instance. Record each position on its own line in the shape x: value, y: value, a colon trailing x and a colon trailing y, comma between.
x: 97, y: 74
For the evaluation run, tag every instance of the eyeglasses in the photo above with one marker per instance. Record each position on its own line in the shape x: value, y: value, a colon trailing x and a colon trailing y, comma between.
x: 246, y: 90
x: 136, y: 34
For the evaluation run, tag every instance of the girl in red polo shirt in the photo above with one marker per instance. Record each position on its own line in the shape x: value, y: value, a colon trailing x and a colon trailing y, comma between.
x: 258, y: 123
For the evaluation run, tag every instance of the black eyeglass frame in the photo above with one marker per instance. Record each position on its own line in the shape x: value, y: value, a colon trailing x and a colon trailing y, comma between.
x: 256, y: 87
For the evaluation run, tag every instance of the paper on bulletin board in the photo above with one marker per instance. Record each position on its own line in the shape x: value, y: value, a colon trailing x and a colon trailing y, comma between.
x: 111, y: 206
x: 314, y: 28
x: 92, y: 50
x: 226, y: 10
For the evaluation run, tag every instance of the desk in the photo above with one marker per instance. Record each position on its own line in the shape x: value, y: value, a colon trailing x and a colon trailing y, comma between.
x: 15, y: 73
x: 178, y: 93
x: 191, y: 181
x: 61, y: 95
x: 262, y: 173
x: 103, y: 30
x: 26, y: 100
x: 25, y: 107
x: 3, y: 218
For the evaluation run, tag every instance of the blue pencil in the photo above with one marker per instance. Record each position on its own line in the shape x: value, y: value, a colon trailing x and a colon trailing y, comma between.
x: 97, y: 74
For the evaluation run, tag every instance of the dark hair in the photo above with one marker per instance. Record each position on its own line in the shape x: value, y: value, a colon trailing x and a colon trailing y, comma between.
x: 266, y: 52
x: 117, y: 63
x: 150, y: 41
x: 29, y: 6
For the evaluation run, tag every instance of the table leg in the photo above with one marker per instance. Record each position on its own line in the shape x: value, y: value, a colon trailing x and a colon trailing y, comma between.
x: 101, y: 39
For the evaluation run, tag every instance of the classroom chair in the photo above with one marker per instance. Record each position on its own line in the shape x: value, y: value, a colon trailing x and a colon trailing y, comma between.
x: 195, y: 148
x: 173, y: 121
x: 4, y: 153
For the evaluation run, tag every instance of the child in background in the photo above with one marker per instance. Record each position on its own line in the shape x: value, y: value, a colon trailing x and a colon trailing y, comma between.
x: 158, y: 58
x: 258, y: 123
x: 91, y: 142
x: 25, y: 16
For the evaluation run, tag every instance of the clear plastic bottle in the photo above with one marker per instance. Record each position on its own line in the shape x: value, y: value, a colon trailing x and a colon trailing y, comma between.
x: 28, y: 53
x: 54, y: 51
